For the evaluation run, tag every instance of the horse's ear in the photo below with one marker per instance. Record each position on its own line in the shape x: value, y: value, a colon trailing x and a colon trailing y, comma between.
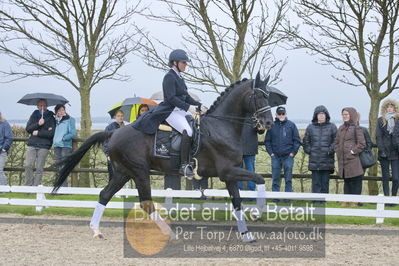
x: 257, y: 80
x: 267, y: 80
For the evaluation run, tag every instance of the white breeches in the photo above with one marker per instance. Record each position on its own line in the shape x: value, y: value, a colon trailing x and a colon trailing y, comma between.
x: 177, y: 120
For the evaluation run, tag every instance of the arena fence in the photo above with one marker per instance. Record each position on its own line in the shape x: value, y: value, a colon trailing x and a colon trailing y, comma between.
x: 41, y: 202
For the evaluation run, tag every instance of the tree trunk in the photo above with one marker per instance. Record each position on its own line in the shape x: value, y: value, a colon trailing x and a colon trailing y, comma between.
x: 373, y: 117
x: 85, y: 132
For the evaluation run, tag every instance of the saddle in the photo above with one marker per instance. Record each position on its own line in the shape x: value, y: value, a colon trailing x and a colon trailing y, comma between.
x: 167, y: 140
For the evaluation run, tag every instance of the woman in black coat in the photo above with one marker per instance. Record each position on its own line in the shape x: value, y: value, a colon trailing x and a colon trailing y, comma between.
x: 118, y: 123
x: 387, y: 152
x: 318, y: 142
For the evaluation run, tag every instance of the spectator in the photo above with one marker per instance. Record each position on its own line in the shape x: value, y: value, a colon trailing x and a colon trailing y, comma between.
x: 282, y: 143
x: 119, y: 116
x: 249, y: 143
x: 387, y: 153
x: 142, y: 109
x: 6, y: 139
x: 318, y: 142
x: 41, y: 126
x: 65, y: 132
x: 348, y: 147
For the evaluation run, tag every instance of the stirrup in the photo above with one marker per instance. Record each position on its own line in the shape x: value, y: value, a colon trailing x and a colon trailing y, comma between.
x: 186, y: 170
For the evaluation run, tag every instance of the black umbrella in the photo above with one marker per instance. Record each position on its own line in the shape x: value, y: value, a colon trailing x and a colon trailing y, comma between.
x: 52, y: 99
x: 276, y: 97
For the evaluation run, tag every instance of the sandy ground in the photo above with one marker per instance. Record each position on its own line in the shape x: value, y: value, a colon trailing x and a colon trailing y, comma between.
x: 49, y: 243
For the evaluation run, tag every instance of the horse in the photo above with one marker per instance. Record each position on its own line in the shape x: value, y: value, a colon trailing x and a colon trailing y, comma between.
x: 132, y: 156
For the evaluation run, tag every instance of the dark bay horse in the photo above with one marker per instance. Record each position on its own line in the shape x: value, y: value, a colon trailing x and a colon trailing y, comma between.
x: 132, y: 155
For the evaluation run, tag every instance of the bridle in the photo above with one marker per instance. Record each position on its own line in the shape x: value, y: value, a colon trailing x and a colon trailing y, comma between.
x: 261, y: 110
x: 256, y: 113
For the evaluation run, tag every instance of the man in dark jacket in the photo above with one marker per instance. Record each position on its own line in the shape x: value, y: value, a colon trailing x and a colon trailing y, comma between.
x: 282, y: 143
x: 249, y: 143
x: 41, y: 127
x: 318, y: 143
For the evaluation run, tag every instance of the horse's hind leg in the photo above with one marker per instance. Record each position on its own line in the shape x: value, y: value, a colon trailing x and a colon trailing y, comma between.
x: 142, y: 181
x: 106, y: 194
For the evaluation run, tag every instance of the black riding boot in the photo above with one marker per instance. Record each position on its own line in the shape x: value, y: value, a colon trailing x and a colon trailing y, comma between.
x: 186, y: 169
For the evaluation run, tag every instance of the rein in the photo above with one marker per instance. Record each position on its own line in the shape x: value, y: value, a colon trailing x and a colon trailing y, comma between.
x: 254, y: 117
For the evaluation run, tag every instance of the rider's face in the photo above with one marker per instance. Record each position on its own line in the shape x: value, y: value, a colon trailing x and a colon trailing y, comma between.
x: 182, y: 66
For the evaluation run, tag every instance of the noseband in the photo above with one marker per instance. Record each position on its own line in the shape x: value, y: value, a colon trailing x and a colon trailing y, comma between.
x: 261, y: 110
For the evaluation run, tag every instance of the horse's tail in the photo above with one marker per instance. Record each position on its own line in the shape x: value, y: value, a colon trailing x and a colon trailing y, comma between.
x: 69, y: 162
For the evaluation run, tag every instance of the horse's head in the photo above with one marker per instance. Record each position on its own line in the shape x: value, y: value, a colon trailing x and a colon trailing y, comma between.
x: 259, y: 103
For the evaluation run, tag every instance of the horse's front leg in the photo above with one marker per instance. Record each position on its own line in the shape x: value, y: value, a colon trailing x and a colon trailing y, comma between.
x: 239, y: 215
x: 235, y: 174
x: 240, y: 174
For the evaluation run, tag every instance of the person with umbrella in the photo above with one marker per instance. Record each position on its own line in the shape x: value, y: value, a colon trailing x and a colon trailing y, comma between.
x: 176, y: 105
x: 65, y: 132
x: 41, y: 127
x: 143, y: 108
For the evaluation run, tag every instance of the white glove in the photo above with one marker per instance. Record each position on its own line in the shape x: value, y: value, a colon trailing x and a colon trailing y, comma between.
x: 203, y: 109
x: 192, y: 109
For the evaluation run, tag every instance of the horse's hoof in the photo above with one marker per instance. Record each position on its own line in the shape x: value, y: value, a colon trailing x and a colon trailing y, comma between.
x: 248, y: 238
x: 99, y: 236
x: 260, y: 180
x: 255, y: 215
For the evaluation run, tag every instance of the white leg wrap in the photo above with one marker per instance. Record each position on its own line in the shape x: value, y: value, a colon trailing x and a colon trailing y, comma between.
x: 160, y: 222
x: 241, y: 224
x: 261, y: 199
x: 96, y: 218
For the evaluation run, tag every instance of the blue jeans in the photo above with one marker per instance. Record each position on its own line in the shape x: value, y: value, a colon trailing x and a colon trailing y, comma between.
x: 287, y: 164
x: 60, y: 153
x: 320, y: 181
x: 249, y: 161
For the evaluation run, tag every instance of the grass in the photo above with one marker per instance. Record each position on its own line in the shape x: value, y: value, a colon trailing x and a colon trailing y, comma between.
x: 219, y: 215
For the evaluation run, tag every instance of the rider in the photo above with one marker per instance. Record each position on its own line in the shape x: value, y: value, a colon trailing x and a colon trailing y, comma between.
x: 176, y: 106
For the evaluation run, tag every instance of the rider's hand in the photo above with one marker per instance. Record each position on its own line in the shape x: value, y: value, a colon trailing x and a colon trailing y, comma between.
x: 192, y: 109
x: 203, y: 109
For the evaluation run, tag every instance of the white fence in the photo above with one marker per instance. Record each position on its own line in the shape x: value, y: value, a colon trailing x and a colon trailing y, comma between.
x: 379, y: 212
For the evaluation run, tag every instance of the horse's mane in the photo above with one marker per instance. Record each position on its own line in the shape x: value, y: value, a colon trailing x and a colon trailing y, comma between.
x: 224, y: 95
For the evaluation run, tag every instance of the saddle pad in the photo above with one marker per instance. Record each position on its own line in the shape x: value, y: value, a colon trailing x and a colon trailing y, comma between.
x: 162, y: 144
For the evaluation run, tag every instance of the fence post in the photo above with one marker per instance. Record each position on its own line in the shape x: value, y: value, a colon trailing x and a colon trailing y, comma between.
x: 74, y: 176
x: 380, y: 210
x: 40, y: 197
x: 168, y: 199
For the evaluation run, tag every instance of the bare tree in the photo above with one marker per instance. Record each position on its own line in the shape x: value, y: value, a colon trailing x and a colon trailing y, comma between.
x: 225, y: 39
x: 80, y: 42
x: 359, y: 38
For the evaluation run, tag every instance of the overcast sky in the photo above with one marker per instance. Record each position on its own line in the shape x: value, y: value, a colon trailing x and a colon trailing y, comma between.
x: 306, y: 83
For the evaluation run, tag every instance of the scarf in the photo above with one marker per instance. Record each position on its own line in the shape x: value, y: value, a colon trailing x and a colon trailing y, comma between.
x: 58, y: 118
x: 390, y: 117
